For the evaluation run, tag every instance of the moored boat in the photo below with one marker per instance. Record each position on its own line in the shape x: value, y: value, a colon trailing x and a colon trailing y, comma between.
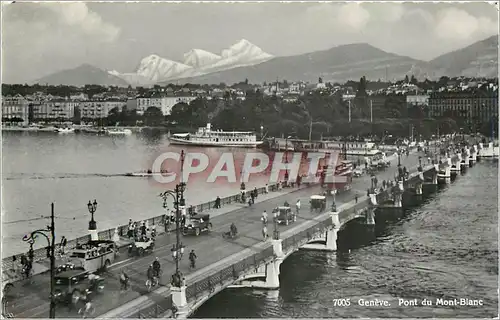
x: 490, y: 150
x: 119, y: 132
x: 207, y: 137
x: 65, y: 130
x: 148, y: 173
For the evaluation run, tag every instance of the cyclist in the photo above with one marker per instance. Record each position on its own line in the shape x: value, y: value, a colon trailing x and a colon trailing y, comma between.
x: 151, y: 274
x: 234, y: 230
x: 264, y: 217
x: 156, y: 267
x: 192, y: 259
x: 124, y: 280
x: 87, y: 310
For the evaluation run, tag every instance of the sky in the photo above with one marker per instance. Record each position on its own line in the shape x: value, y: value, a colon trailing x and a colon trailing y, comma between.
x: 42, y: 38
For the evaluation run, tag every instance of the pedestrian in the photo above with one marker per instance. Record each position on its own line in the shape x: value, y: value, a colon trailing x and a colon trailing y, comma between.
x: 264, y: 232
x: 143, y: 229
x: 266, y: 188
x: 217, y: 203
x: 356, y: 197
x: 166, y: 223
x: 64, y: 242
x: 14, y: 264
x: 130, y: 231
x: 255, y: 192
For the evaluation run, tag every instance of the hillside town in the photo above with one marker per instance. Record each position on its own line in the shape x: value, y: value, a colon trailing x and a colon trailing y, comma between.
x: 474, y: 98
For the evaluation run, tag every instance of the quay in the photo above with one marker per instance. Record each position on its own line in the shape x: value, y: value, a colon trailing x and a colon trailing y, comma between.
x: 246, y: 261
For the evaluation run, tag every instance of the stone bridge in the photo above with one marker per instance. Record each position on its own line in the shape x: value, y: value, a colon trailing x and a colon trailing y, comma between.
x: 259, y: 266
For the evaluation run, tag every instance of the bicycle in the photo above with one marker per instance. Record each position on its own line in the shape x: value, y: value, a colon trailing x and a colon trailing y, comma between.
x: 87, y: 310
x: 151, y: 283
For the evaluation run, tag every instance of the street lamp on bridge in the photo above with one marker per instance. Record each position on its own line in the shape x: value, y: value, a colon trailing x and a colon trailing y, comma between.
x: 50, y: 230
x: 276, y: 233
x: 178, y: 248
x: 92, y: 209
x: 286, y: 159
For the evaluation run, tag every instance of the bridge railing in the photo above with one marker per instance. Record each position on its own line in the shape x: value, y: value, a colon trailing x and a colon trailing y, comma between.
x: 204, y: 287
x: 302, y: 237
x: 155, y: 311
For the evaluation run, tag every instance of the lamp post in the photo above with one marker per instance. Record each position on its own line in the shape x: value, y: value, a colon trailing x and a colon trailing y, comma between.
x: 51, y: 246
x: 286, y: 159
x: 92, y: 209
x: 178, y: 248
x: 276, y: 233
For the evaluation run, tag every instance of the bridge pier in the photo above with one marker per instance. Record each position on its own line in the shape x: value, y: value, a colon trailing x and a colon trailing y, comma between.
x: 370, y: 212
x: 457, y: 167
x: 331, y: 235
x: 419, y: 185
x: 398, y: 194
x: 473, y: 158
x: 266, y: 276
x: 179, y: 300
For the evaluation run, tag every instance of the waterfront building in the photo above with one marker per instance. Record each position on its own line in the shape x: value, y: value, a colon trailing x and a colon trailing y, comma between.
x: 417, y: 100
x: 161, y: 101
x: 97, y: 109
x: 475, y: 106
x: 15, y: 108
x: 55, y: 109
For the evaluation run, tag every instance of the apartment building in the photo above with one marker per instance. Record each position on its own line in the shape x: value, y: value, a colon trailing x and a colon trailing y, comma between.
x: 15, y: 107
x: 474, y: 106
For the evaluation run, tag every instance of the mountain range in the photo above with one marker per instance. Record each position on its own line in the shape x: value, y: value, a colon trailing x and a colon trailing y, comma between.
x: 244, y: 60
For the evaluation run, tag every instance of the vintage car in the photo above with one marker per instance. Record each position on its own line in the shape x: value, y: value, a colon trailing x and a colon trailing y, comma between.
x: 197, y: 224
x: 284, y: 215
x: 68, y: 266
x: 318, y: 203
x: 357, y: 173
x: 141, y: 246
x: 73, y: 286
x: 95, y: 255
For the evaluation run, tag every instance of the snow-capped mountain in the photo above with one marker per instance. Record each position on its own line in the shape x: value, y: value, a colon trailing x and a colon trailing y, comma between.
x: 198, y: 58
x: 157, y: 68
x: 243, y: 53
x: 154, y: 69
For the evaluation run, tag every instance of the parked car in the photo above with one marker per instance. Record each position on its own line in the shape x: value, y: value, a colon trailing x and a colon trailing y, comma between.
x: 197, y: 224
x: 139, y: 248
x: 318, y: 203
x: 71, y: 286
x: 357, y: 173
x: 285, y: 215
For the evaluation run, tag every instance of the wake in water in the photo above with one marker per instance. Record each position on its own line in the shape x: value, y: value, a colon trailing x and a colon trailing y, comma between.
x: 26, y: 176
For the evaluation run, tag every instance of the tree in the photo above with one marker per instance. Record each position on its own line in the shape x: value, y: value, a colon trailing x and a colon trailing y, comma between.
x: 406, y: 79
x: 153, y: 116
x: 77, y: 116
x: 413, y: 80
x: 361, y: 92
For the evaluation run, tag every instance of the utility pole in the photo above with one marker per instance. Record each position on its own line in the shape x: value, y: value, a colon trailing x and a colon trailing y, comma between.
x: 52, y: 262
x: 310, y: 129
x: 349, y: 111
x: 371, y: 111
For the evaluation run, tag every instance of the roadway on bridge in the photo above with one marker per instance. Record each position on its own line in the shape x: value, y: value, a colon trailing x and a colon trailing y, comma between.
x: 31, y: 299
